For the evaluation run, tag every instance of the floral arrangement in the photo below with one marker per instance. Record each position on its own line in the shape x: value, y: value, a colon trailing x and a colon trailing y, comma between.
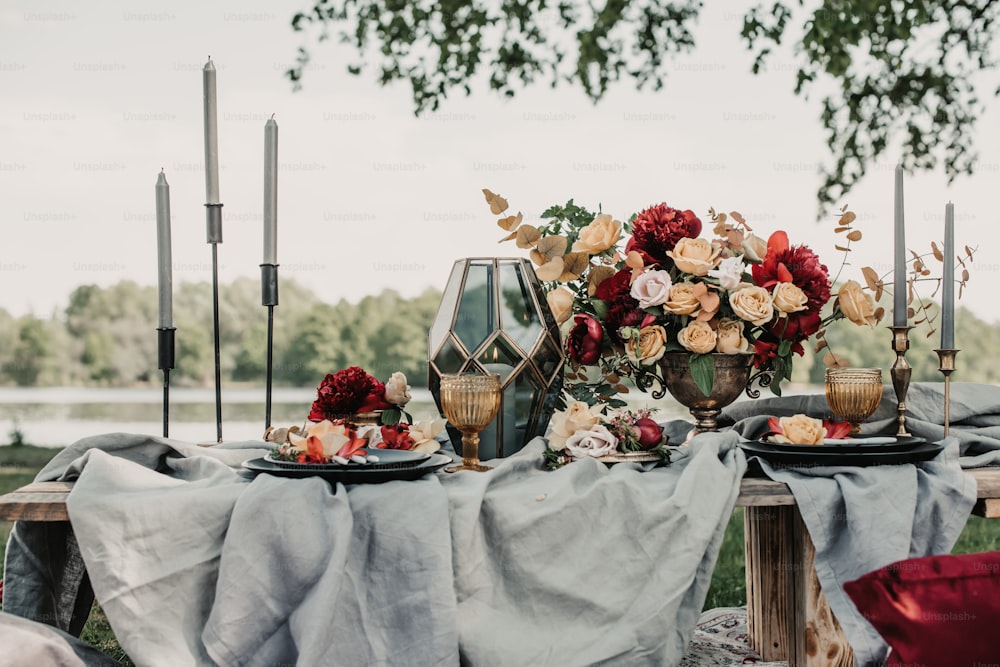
x: 581, y: 431
x: 671, y: 290
x: 801, y: 429
x: 340, y: 441
x: 352, y: 391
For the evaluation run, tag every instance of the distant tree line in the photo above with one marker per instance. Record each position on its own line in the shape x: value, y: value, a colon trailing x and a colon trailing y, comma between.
x: 106, y: 336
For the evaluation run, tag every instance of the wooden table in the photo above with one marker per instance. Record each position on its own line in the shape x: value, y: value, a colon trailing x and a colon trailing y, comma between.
x: 789, y: 618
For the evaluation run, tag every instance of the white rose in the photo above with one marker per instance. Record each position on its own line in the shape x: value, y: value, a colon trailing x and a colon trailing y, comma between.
x: 789, y: 298
x: 597, y: 441
x: 729, y: 273
x: 755, y: 248
x: 397, y: 392
x: 651, y: 288
x: 567, y: 422
x: 753, y: 304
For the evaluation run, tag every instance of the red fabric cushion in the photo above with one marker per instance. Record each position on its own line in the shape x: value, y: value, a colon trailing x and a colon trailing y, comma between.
x: 939, y: 610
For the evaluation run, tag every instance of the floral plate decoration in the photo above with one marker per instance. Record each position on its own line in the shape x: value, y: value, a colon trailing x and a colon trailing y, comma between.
x: 582, y: 431
x: 353, y: 391
x: 333, y: 435
x: 802, y: 429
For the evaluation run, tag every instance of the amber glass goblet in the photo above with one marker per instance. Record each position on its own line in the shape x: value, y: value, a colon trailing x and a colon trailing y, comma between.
x: 853, y: 393
x: 470, y: 401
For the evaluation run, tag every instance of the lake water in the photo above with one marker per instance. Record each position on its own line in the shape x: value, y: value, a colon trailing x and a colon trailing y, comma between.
x: 58, y: 416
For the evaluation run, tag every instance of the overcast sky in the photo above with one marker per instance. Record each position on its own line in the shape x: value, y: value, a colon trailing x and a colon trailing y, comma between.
x: 97, y: 98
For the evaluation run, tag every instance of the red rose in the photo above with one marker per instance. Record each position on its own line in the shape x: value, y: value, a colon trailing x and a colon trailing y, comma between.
x: 658, y: 229
x: 650, y: 434
x: 375, y: 400
x: 585, y: 340
x: 345, y: 392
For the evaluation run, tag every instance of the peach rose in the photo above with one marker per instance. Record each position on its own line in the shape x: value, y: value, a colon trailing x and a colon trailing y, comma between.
x: 789, y: 298
x: 800, y: 430
x: 753, y: 304
x: 682, y: 300
x: 731, y: 339
x: 397, y: 392
x: 858, y: 306
x: 565, y: 423
x: 599, y: 235
x: 560, y: 303
x: 698, y: 337
x: 648, y: 346
x: 695, y: 256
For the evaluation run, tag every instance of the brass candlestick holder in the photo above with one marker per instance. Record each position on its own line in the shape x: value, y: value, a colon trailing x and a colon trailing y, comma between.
x: 900, y: 374
x: 946, y: 364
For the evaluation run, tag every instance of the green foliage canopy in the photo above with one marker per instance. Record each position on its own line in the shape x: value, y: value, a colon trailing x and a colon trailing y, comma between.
x: 893, y: 68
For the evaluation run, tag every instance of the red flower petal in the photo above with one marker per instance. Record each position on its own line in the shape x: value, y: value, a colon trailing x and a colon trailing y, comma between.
x: 836, y: 429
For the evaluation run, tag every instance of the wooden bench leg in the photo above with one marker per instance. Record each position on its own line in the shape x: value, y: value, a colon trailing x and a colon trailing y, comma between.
x: 788, y: 615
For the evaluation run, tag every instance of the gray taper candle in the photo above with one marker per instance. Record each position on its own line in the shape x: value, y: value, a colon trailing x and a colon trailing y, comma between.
x: 163, y: 254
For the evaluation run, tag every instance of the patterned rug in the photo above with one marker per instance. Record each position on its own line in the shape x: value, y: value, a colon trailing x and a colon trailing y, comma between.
x: 721, y: 639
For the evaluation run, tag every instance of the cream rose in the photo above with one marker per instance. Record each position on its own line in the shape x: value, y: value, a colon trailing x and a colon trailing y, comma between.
x: 596, y: 441
x: 754, y: 248
x: 424, y: 434
x: 858, y: 306
x: 800, y: 430
x: 560, y: 303
x: 695, y: 256
x: 567, y: 422
x: 599, y: 235
x: 789, y: 298
x: 648, y: 347
x: 682, y: 300
x: 651, y: 288
x: 730, y: 337
x: 397, y: 392
x: 753, y: 304
x: 697, y: 337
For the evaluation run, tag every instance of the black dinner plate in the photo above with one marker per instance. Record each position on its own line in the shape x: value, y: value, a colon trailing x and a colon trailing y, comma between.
x: 387, y: 458
x: 348, y: 475
x: 857, y: 444
x: 829, y: 455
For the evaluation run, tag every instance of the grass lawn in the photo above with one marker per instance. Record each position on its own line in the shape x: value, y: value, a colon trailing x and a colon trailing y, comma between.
x: 19, y: 465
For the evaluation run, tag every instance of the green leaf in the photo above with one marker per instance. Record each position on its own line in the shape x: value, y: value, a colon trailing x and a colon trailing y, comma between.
x: 600, y: 308
x: 703, y: 372
x: 391, y: 416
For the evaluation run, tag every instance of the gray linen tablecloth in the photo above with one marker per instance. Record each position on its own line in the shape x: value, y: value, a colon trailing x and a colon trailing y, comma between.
x: 194, y: 563
x: 861, y: 519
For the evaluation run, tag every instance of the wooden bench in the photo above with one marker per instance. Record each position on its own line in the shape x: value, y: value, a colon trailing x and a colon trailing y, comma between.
x: 789, y: 618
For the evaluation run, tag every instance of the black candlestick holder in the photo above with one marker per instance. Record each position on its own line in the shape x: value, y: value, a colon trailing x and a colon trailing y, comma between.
x: 269, y: 299
x: 946, y: 364
x: 900, y: 373
x: 165, y: 346
x: 213, y: 223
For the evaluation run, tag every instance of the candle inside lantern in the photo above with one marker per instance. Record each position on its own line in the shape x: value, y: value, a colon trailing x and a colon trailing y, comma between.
x: 211, y: 134
x: 165, y: 273
x: 270, y: 191
x: 948, y: 278
x: 899, y: 289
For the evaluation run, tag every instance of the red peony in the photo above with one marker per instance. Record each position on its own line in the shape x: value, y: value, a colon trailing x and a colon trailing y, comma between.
x: 585, y: 340
x: 658, y: 229
x: 346, y: 392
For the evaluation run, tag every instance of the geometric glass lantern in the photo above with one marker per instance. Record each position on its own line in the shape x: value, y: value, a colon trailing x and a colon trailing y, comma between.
x: 494, y: 318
